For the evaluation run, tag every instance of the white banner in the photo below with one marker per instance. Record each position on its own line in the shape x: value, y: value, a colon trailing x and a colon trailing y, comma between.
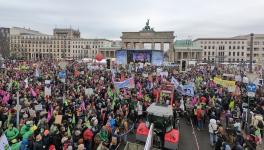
x: 89, y: 92
x: 38, y: 107
x: 164, y: 73
x: 47, y: 91
x: 47, y: 81
x: 238, y: 78
x: 4, y: 145
x: 175, y: 82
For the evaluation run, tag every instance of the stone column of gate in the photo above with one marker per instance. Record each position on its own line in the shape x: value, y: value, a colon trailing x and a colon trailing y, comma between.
x: 152, y: 45
x: 181, y: 55
x: 141, y: 45
x: 162, y: 46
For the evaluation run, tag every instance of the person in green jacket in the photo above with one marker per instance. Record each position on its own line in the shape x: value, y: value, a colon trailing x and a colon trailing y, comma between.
x: 232, y: 104
x: 15, y: 145
x: 26, y: 127
x: 26, y: 130
x: 11, y: 133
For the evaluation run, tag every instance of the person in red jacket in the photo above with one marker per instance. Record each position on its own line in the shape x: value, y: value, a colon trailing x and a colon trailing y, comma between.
x: 88, y: 138
x: 199, y: 115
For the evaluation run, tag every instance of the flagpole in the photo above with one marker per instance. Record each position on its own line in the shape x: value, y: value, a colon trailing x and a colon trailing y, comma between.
x: 18, y: 110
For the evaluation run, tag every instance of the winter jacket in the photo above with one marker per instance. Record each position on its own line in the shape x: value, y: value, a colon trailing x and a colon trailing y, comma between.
x: 212, y: 126
x: 11, y: 133
x: 38, y: 145
x: 15, y: 146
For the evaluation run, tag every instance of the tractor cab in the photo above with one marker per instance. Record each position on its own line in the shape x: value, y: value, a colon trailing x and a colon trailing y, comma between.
x: 161, y: 116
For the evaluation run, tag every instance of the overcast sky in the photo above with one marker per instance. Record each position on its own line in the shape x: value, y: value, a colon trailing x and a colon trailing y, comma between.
x: 109, y: 18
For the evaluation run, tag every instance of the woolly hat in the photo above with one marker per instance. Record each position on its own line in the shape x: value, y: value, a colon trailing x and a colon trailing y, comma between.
x: 29, y: 123
x: 52, y: 147
x: 14, y: 141
x: 25, y: 115
x: 77, y: 132
x: 46, y: 132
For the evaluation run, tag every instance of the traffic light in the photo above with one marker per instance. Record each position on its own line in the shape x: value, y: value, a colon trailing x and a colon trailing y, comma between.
x: 108, y: 63
x: 183, y: 65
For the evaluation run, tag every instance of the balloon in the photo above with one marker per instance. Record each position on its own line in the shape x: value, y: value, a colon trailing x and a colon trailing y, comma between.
x: 99, y: 57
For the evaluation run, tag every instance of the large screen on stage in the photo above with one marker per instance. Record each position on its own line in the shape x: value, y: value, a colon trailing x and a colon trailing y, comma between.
x: 157, y: 58
x: 141, y: 57
x: 121, y: 57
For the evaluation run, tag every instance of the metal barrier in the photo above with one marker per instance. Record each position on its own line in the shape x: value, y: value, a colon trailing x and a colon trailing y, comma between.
x: 150, y: 138
x: 124, y: 134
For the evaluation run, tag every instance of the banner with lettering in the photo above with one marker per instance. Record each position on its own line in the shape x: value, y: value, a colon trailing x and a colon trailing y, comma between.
x: 188, y: 90
x: 4, y: 145
x: 128, y: 83
x: 177, y: 85
x: 231, y: 85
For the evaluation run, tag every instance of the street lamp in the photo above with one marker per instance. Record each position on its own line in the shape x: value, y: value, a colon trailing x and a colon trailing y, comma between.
x: 2, y: 62
x: 251, y: 77
x: 63, y: 65
x: 251, y: 51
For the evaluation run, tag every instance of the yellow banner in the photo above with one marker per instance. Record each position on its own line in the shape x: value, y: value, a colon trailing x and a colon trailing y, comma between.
x: 225, y: 83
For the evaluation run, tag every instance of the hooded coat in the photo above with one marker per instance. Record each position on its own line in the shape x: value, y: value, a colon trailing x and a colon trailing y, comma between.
x: 11, y: 133
x: 212, y: 126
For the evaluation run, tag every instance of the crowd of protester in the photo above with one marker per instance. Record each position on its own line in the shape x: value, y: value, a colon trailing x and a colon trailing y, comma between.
x: 94, y: 113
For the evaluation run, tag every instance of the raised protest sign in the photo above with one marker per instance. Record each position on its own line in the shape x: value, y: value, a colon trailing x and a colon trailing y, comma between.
x: 231, y: 85
x: 38, y: 107
x: 4, y: 143
x: 89, y: 92
x: 47, y: 91
x: 164, y: 73
x: 188, y: 90
x: 177, y: 85
x: 47, y: 81
x: 128, y: 83
x: 58, y: 119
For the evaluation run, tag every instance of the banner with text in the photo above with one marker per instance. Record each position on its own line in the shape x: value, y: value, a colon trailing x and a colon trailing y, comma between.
x: 128, y: 83
x: 4, y: 143
x: 231, y: 85
x: 121, y: 57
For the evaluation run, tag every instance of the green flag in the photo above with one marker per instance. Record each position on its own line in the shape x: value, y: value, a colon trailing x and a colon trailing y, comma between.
x: 73, y: 119
x: 109, y: 92
x: 15, y: 84
x: 114, y: 101
x: 69, y: 131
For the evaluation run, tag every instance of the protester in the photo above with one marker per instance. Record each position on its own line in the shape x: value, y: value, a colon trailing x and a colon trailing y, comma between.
x: 84, y: 105
x: 213, y: 131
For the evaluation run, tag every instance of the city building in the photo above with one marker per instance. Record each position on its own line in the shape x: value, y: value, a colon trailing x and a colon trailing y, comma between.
x: 109, y: 51
x: 66, y: 33
x: 219, y: 50
x: 186, y: 49
x: 148, y: 39
x: 64, y: 43
x: 258, y: 47
x: 4, y: 41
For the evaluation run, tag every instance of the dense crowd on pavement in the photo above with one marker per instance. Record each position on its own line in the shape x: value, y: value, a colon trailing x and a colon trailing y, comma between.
x: 87, y: 111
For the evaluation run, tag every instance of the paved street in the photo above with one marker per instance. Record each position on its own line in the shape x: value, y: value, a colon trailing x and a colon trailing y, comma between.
x: 187, y: 139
